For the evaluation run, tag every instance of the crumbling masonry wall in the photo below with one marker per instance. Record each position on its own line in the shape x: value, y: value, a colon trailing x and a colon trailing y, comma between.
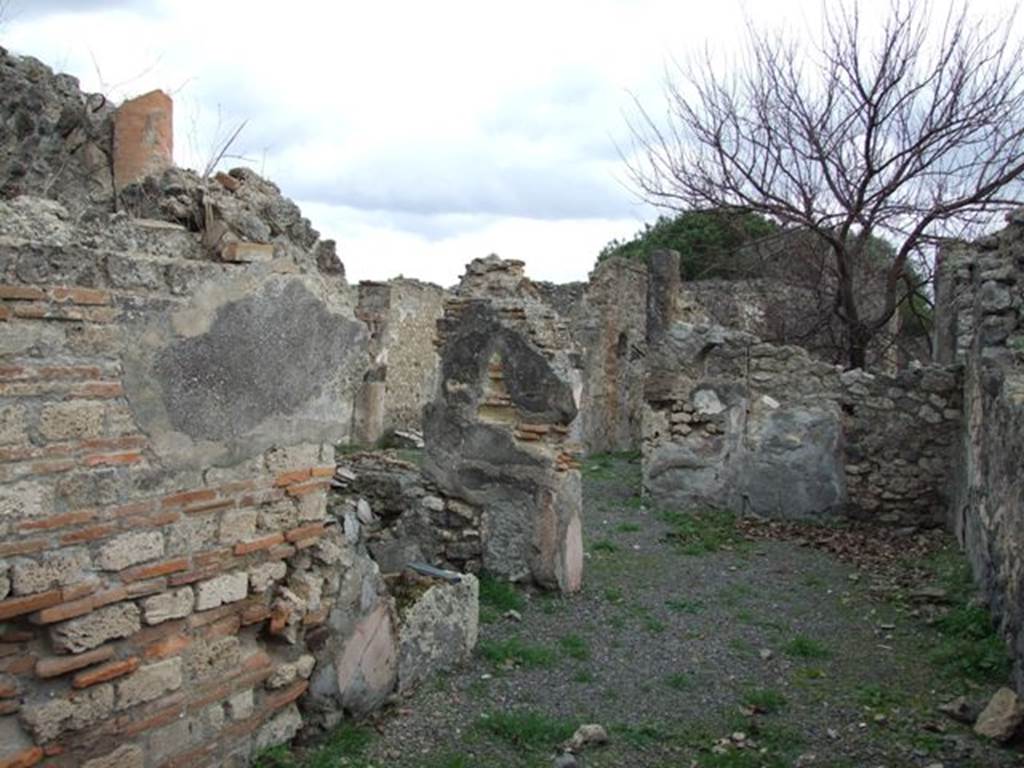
x: 166, y: 444
x: 733, y: 422
x: 497, y: 432
x: 987, y: 509
x: 401, y: 377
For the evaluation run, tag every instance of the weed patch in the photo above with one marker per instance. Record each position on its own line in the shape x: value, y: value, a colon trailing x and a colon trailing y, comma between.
x: 803, y: 647
x: 702, y: 532
x: 525, y: 729
x: 514, y: 651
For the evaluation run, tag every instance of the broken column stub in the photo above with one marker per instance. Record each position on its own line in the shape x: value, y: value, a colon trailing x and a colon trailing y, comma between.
x: 497, y: 436
x: 143, y: 138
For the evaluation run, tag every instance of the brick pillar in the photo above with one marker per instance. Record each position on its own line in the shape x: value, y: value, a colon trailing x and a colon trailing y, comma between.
x: 143, y: 138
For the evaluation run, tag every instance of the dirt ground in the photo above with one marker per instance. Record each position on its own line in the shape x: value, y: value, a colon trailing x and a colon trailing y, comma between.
x: 703, y: 641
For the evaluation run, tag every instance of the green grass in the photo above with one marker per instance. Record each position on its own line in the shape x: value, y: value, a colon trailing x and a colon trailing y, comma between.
x: 499, y: 596
x: 702, y: 532
x: 575, y: 647
x: 765, y: 700
x: 967, y: 648
x: 525, y: 729
x: 877, y: 697
x: 654, y: 626
x: 803, y: 647
x: 679, y: 681
x: 584, y: 676
x: 449, y: 760
x: 684, y: 606
x: 628, y: 527
x: 613, y: 595
x: 345, y: 745
x: 514, y: 651
x: 605, y: 545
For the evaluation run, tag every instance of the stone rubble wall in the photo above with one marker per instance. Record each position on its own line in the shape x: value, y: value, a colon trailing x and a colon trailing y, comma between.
x: 987, y: 508
x: 401, y: 316
x: 498, y: 431
x: 733, y: 422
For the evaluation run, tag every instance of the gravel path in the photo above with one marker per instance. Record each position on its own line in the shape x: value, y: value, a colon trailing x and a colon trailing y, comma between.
x: 762, y: 653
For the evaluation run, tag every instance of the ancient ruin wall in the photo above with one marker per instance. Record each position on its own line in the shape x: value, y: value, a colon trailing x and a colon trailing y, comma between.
x: 733, y: 422
x: 401, y: 316
x: 987, y: 511
x: 497, y: 433
x: 166, y: 445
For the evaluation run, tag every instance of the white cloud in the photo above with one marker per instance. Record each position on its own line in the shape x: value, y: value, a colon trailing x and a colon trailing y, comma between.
x: 421, y: 134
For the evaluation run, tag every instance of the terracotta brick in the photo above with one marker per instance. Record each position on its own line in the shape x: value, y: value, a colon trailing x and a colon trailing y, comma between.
x: 30, y: 311
x: 239, y: 487
x: 194, y: 575
x: 143, y: 138
x: 55, y: 666
x: 168, y: 646
x: 26, y: 758
x: 63, y: 611
x: 285, y: 697
x: 128, y: 442
x: 9, y: 707
x: 21, y: 547
x: 21, y: 293
x: 253, y: 614
x: 306, y: 488
x: 127, y: 728
x: 77, y: 591
x: 310, y: 531
x: 18, y: 606
x: 280, y: 552
x: 151, y: 521
x: 255, y: 545
x: 326, y: 471
x: 8, y: 688
x: 5, y: 314
x: 58, y: 521
x: 112, y: 459
x: 52, y: 467
x: 69, y: 372
x: 78, y: 295
x: 290, y: 478
x: 98, y: 389
x: 16, y: 636
x: 135, y: 508
x: 89, y: 534
x: 223, y: 628
x: 213, y: 506
x: 146, y: 588
x: 106, y: 672
x: 213, y: 557
x: 142, y: 572
x: 22, y: 664
x: 156, y: 632
x: 316, y: 617
x: 215, y: 614
x: 188, y: 497
x: 256, y: 661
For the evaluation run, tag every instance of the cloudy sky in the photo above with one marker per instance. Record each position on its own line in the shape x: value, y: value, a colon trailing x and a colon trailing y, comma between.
x: 419, y: 135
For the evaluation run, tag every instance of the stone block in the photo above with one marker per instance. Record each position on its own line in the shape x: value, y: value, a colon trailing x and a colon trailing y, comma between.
x: 263, y: 576
x: 12, y: 425
x: 1002, y: 717
x: 168, y: 605
x: 149, y: 683
x: 213, y: 658
x: 243, y: 253
x: 130, y: 549
x: 24, y: 500
x: 280, y: 729
x: 96, y: 628
x: 237, y: 525
x: 143, y: 138
x: 438, y: 631
x: 125, y: 756
x: 226, y: 588
x: 49, y: 720
x: 241, y: 705
x: 74, y: 420
x: 62, y: 568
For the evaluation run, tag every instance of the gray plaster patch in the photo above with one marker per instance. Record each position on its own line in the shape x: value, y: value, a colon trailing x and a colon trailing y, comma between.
x: 266, y: 354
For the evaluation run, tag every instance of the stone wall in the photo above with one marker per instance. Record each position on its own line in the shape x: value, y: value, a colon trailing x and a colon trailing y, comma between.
x: 497, y: 433
x: 733, y: 422
x: 987, y: 511
x: 608, y: 326
x: 401, y: 316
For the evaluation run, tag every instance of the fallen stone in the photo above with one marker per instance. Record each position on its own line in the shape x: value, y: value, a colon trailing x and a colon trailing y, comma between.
x: 566, y: 760
x: 1002, y: 717
x: 959, y: 710
x: 587, y: 735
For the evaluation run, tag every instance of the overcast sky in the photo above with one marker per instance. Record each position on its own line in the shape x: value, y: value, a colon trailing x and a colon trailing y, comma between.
x: 419, y: 135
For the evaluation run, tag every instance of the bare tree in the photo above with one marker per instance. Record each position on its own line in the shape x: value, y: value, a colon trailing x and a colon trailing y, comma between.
x: 912, y: 130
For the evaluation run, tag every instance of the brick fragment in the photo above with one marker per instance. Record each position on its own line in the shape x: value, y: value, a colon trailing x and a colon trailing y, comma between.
x: 18, y: 606
x: 56, y: 666
x: 26, y: 758
x: 105, y: 673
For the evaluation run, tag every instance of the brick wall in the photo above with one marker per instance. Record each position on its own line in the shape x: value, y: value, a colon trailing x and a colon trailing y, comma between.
x: 158, y: 577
